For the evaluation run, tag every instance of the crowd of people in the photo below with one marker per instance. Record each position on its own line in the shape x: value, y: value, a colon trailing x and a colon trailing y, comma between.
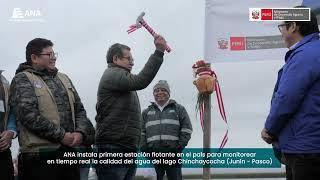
x: 42, y: 108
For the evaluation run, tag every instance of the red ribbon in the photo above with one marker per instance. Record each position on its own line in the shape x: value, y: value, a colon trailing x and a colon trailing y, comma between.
x: 220, y: 104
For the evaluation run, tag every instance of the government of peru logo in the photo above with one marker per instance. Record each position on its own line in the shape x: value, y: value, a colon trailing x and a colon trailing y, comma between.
x: 223, y: 43
x: 255, y: 14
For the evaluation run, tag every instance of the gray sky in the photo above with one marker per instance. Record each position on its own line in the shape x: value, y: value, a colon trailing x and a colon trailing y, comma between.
x: 83, y: 30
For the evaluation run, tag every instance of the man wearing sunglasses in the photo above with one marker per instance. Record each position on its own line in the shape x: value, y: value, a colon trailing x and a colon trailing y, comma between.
x: 50, y: 115
x: 294, y: 119
x: 118, y: 107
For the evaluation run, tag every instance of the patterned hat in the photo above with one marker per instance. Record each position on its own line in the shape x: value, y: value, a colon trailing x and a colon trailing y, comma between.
x: 162, y: 84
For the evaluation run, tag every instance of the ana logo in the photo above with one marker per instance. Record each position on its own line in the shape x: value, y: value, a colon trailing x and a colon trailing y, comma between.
x: 223, y: 43
x: 17, y: 13
x: 255, y: 14
x: 28, y: 15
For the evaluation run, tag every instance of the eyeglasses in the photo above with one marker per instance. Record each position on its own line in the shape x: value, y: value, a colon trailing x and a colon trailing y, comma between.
x: 130, y: 59
x: 280, y: 26
x: 51, y: 55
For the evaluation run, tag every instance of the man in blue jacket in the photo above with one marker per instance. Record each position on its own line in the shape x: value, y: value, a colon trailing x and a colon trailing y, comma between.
x: 294, y: 118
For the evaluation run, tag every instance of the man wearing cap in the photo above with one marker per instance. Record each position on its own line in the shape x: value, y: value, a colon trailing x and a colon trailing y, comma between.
x: 7, y: 130
x: 166, y: 127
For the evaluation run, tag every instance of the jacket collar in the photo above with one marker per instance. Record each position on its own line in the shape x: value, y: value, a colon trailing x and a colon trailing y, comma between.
x: 171, y: 101
x: 110, y: 65
x: 29, y: 68
x: 306, y: 39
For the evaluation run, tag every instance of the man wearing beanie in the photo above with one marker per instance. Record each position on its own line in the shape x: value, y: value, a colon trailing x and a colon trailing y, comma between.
x: 166, y: 127
x: 118, y: 107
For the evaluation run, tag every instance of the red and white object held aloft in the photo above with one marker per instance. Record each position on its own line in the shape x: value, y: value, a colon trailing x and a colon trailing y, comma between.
x: 141, y: 22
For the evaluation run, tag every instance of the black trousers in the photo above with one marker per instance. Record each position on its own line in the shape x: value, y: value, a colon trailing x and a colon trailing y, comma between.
x: 302, y: 166
x: 6, y: 166
x: 34, y: 167
x: 172, y: 171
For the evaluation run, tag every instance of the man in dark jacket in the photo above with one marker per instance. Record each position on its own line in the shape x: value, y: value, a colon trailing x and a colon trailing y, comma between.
x: 118, y: 107
x: 294, y: 118
x: 50, y: 114
x: 166, y: 127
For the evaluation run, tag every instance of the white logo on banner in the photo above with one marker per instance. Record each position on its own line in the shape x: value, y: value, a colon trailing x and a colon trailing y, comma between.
x: 28, y: 15
x: 17, y: 13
